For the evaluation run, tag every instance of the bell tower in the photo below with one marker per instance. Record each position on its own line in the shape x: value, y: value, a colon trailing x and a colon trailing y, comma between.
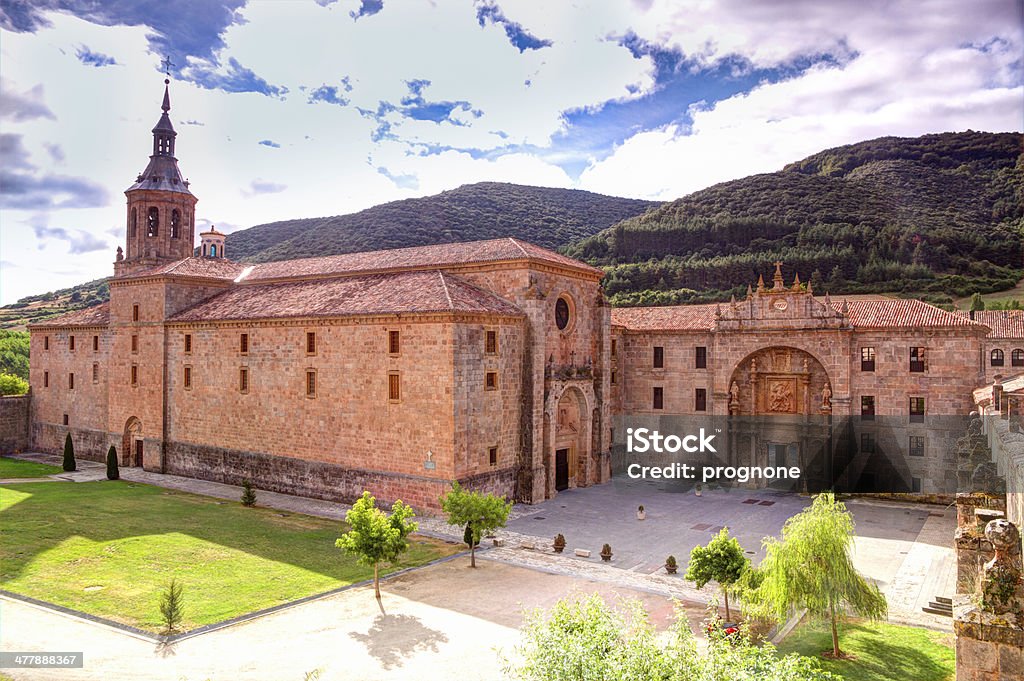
x: 161, y: 208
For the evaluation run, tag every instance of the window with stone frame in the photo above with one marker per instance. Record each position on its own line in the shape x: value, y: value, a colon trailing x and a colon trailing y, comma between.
x: 310, y: 382
x: 95, y: 372
x: 95, y: 343
x: 188, y: 344
x: 1017, y: 358
x: 614, y: 376
x: 918, y: 362
x: 615, y: 347
x: 915, y: 485
x: 187, y: 377
x: 867, y: 359
x: 659, y: 357
x: 134, y: 376
x: 66, y: 419
x: 996, y: 357
x: 46, y: 342
x: 867, y: 407
x: 243, y: 343
x: 394, y: 386
x: 46, y: 379
x: 71, y: 381
x: 492, y: 456
x: 135, y: 343
x: 700, y: 357
x: 311, y: 342
x: 659, y: 398
x: 700, y: 399
x: 71, y: 343
x: 867, y: 443
x: 394, y: 342
x: 917, y: 410
x: 490, y: 342
x: 491, y: 380
x: 916, y: 445
x: 243, y: 379
x: 135, y: 312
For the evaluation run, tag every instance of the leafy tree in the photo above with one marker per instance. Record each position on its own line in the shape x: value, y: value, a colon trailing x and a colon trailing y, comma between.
x: 172, y: 605
x: 69, y: 454
x: 248, y: 494
x: 480, y: 513
x: 375, y: 536
x: 112, y: 470
x: 977, y: 302
x: 12, y: 385
x: 722, y: 561
x: 811, y: 567
x: 584, y: 640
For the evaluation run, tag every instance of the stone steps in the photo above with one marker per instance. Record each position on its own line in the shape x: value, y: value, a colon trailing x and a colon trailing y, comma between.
x: 941, y: 605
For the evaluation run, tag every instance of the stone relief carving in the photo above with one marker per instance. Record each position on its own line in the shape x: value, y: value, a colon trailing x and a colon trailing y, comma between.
x: 780, y: 396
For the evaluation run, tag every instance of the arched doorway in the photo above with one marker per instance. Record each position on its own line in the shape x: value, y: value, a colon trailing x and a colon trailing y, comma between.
x: 570, y: 458
x: 132, y: 443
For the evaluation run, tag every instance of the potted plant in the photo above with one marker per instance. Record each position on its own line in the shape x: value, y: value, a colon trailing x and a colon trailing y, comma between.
x: 641, y: 514
x: 671, y: 566
x: 606, y: 553
x: 559, y: 543
x: 698, y: 490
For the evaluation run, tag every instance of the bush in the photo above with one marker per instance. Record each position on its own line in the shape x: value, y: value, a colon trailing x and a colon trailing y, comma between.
x: 69, y: 454
x: 112, y: 471
x: 172, y: 606
x: 12, y: 385
x: 248, y: 494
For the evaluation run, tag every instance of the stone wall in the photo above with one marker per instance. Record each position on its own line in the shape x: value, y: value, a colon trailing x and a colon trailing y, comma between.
x: 14, y: 423
x: 90, y: 444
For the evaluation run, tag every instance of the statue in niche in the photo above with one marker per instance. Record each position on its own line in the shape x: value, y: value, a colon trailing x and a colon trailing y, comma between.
x: 826, y: 397
x: 734, y: 395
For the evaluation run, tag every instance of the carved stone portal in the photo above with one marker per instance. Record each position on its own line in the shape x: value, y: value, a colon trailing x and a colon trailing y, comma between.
x: 780, y: 380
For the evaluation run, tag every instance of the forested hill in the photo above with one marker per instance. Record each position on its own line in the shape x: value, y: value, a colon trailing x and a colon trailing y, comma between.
x: 933, y: 216
x: 547, y: 217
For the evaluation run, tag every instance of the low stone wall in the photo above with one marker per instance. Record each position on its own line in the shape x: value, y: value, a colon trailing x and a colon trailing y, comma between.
x: 14, y: 423
x: 315, y: 479
x: 90, y: 445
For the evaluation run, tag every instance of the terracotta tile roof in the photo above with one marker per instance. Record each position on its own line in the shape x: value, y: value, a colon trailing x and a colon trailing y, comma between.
x: 672, y: 318
x: 1004, y: 323
x: 888, y: 313
x: 97, y: 315
x: 433, y: 257
x: 397, y: 293
x: 212, y: 268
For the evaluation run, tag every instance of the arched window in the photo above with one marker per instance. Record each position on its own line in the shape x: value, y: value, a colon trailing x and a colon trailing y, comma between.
x: 1017, y: 358
x: 204, y: 248
x: 153, y: 222
x: 996, y: 358
x: 133, y: 224
x: 175, y: 223
x: 213, y: 250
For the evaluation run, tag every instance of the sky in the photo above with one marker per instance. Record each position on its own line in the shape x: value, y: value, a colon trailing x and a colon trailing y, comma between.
x: 307, y: 108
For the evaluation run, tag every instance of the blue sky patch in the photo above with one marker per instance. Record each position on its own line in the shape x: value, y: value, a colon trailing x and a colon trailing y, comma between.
x: 521, y: 39
x: 90, y: 58
x: 269, y: 143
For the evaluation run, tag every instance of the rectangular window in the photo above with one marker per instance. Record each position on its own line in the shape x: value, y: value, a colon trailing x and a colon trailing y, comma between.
x: 135, y: 375
x: 917, y: 410
x: 310, y: 382
x: 65, y: 419
x: 916, y: 445
x: 701, y: 357
x: 95, y: 343
x: 394, y: 342
x: 71, y: 342
x: 188, y: 378
x: 659, y: 398
x: 659, y: 357
x: 615, y: 348
x: 917, y: 360
x: 700, y: 399
x: 243, y: 343
x: 135, y: 343
x: 135, y: 312
x: 46, y: 379
x: 394, y: 386
x: 491, y: 380
x: 867, y: 359
x: 46, y: 342
x: 867, y: 408
x: 614, y: 377
x: 867, y: 443
x: 492, y: 456
x: 491, y: 342
x: 71, y: 381
x: 311, y: 342
x: 915, y: 485
x: 95, y: 372
x: 243, y: 379
x: 188, y: 344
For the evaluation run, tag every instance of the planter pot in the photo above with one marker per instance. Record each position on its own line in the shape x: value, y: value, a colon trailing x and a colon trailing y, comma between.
x: 558, y: 549
x: 606, y: 557
x: 641, y: 515
x: 671, y: 569
x: 697, y: 492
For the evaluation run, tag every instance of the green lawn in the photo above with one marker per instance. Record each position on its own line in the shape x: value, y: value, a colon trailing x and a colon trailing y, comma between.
x: 16, y: 468
x: 110, y: 548
x: 882, y: 652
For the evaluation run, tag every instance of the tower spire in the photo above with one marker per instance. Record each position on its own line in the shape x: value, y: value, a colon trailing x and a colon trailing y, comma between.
x: 166, y: 106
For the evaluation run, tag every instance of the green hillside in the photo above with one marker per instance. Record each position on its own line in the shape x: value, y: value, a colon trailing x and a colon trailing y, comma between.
x: 487, y: 210
x: 937, y: 216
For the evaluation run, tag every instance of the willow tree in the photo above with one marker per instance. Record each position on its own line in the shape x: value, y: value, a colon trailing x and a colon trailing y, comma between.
x: 811, y: 567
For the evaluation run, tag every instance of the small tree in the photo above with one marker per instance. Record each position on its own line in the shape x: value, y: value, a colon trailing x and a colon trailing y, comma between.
x: 977, y: 302
x: 69, y: 454
x: 722, y: 561
x: 112, y: 471
x: 172, y: 606
x: 248, y: 494
x: 480, y: 513
x: 12, y: 385
x: 811, y: 567
x: 376, y: 536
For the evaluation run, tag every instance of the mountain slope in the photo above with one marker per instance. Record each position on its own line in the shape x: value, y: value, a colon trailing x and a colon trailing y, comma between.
x: 935, y: 216
x: 546, y: 217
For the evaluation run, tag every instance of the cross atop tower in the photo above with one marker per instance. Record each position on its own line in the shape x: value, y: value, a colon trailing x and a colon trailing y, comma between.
x: 167, y: 63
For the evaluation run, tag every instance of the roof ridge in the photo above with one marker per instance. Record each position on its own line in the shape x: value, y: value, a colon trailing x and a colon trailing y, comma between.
x: 444, y: 285
x: 518, y: 245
